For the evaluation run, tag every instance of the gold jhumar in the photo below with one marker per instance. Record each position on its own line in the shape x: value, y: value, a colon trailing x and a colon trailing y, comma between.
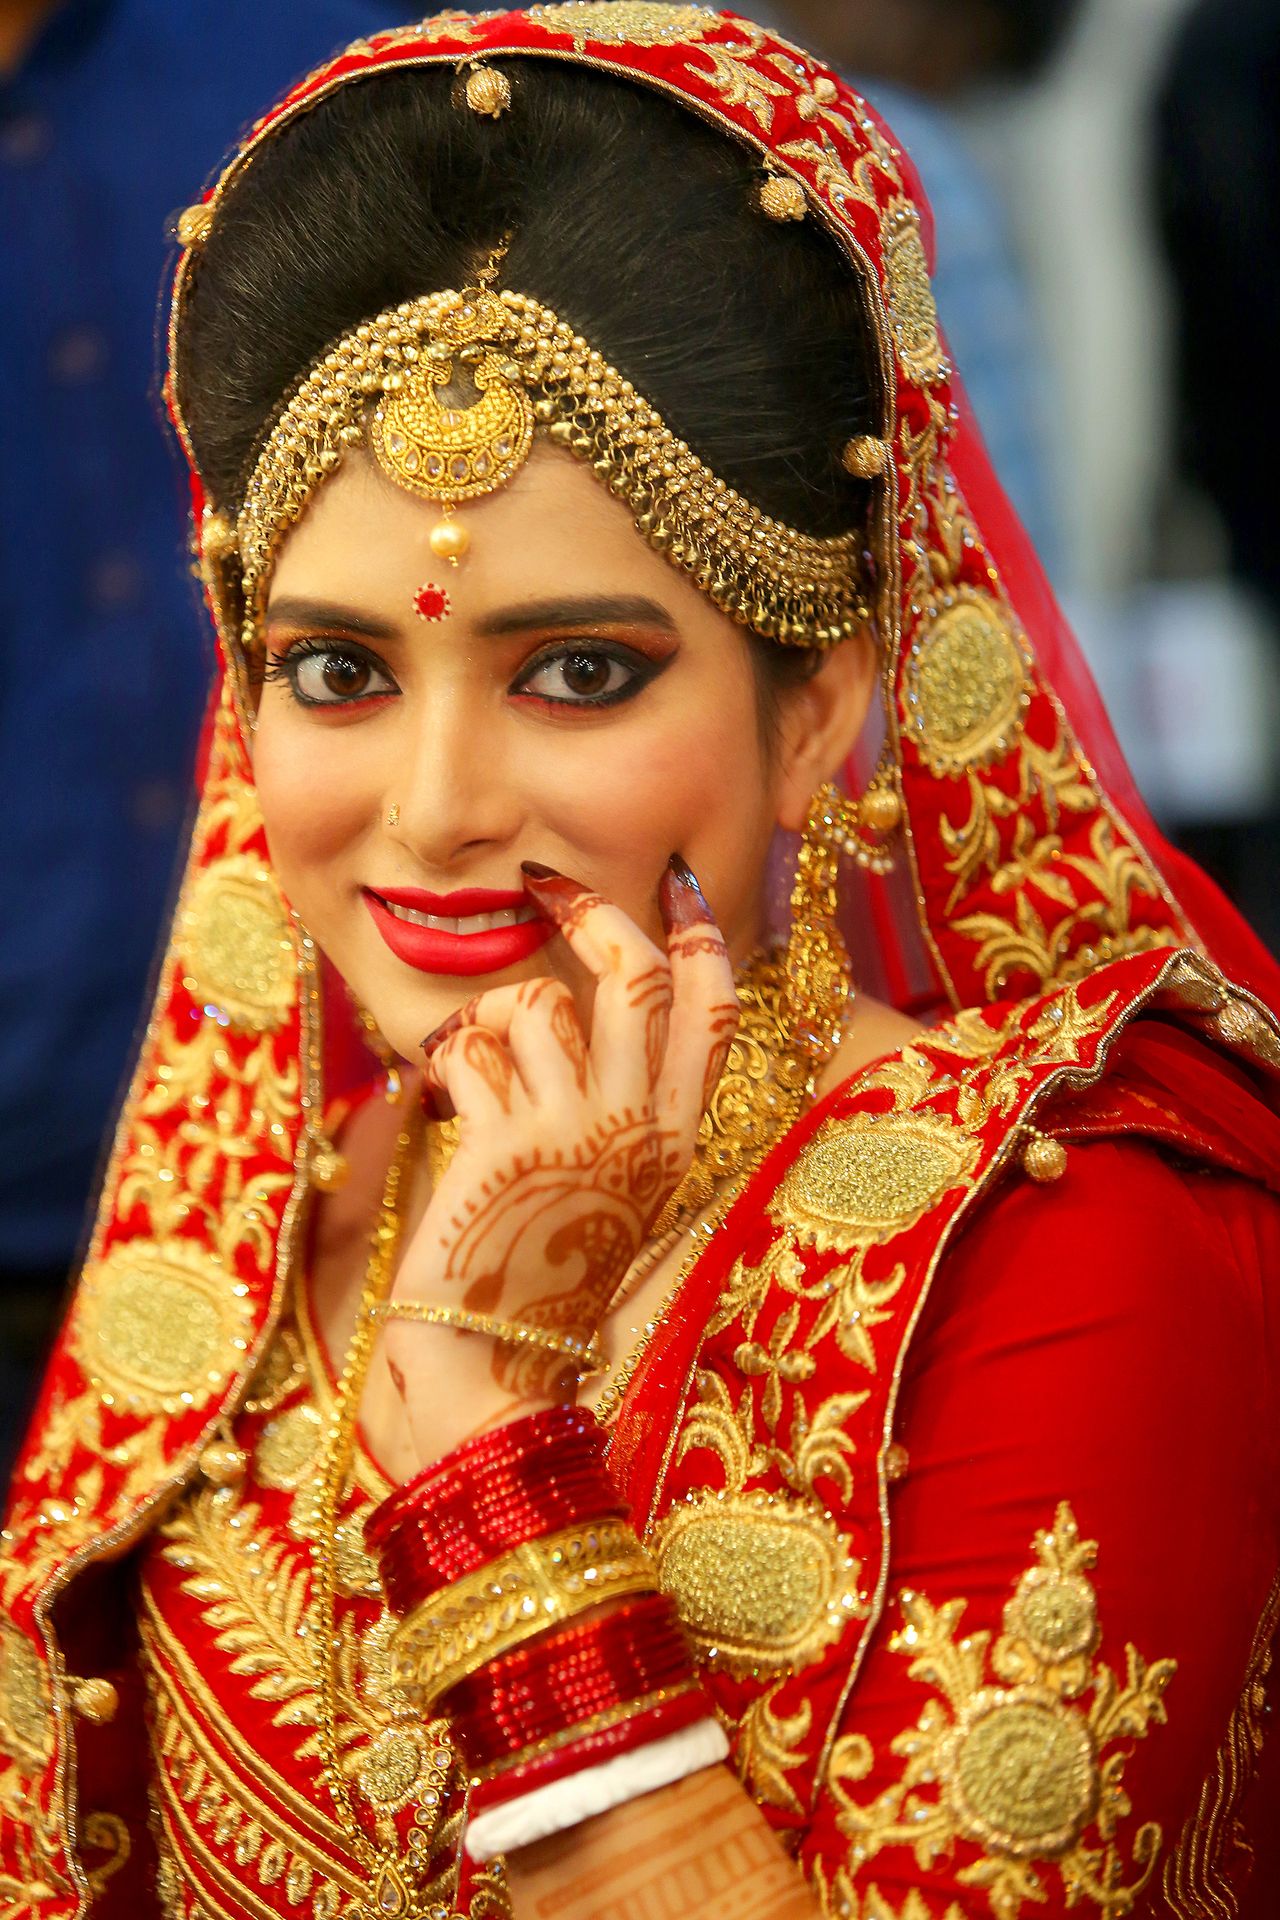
x: 448, y: 392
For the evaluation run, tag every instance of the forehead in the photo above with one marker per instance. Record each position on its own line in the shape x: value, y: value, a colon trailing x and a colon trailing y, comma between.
x: 364, y: 539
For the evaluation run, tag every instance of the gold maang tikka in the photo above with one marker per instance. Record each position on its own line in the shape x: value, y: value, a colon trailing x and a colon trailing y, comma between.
x: 449, y: 391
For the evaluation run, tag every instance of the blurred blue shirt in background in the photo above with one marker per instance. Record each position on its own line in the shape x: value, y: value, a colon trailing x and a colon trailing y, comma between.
x: 112, y: 123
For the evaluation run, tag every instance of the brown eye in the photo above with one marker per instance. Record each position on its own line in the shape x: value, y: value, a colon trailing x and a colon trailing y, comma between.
x: 343, y: 675
x: 587, y: 673
x: 597, y: 676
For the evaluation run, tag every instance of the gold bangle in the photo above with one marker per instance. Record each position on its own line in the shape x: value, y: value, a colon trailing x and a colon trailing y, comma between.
x: 586, y: 1356
x: 536, y: 1586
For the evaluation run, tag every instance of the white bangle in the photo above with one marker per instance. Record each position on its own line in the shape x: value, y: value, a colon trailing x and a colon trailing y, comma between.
x: 565, y: 1803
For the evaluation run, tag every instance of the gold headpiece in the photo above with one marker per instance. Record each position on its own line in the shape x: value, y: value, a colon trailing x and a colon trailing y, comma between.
x: 455, y: 386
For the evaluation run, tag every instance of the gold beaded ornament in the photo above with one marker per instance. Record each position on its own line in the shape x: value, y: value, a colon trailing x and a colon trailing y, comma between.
x: 448, y: 391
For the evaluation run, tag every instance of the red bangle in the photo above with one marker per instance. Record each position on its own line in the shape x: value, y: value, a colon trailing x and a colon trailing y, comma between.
x: 639, y: 1729
x: 498, y: 1491
x: 564, y: 1680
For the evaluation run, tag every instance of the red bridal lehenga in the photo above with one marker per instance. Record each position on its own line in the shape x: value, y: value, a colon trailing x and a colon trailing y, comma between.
x: 957, y: 1445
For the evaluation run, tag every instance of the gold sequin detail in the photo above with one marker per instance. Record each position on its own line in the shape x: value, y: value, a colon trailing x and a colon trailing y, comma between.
x: 762, y: 1583
x: 25, y: 1716
x: 624, y: 23
x: 236, y: 945
x: 912, y: 310
x: 866, y: 1178
x: 161, y: 1328
x: 968, y: 684
x: 287, y: 1447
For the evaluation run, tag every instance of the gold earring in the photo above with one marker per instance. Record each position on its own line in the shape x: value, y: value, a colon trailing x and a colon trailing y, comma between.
x: 819, y: 989
x: 869, y: 821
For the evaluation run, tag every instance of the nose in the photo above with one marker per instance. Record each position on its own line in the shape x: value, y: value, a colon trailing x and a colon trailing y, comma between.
x: 454, y: 787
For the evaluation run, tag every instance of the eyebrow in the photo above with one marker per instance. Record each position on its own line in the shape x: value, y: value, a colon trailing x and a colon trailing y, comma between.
x: 327, y: 618
x: 619, y: 610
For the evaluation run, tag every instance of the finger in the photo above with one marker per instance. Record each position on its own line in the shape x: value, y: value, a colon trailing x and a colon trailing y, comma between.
x: 477, y: 1075
x: 633, y: 985
x: 538, y: 1024
x: 705, y: 1010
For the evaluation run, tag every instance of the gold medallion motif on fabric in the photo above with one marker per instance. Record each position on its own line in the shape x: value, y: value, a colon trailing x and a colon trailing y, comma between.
x: 624, y: 23
x: 863, y: 1179
x: 161, y: 1328
x: 288, y: 1447
x: 236, y: 944
x: 1019, y: 1750
x: 967, y: 681
x: 763, y: 1583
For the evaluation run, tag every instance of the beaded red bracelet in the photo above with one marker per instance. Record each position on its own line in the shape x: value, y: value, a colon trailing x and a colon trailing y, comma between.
x: 541, y: 1692
x: 589, y: 1746
x: 499, y: 1491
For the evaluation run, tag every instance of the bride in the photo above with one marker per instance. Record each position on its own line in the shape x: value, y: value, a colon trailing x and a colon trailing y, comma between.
x: 680, y: 1315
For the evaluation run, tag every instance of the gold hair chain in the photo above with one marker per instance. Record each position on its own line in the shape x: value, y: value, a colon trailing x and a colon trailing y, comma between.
x: 448, y: 391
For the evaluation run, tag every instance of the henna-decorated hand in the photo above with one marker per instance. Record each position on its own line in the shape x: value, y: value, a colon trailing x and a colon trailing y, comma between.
x: 569, y: 1148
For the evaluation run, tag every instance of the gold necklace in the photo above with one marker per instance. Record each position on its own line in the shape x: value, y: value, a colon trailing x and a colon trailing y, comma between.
x: 768, y: 1081
x: 394, y: 1895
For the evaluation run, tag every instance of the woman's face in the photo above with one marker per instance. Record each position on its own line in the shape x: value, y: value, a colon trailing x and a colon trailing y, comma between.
x: 563, y: 696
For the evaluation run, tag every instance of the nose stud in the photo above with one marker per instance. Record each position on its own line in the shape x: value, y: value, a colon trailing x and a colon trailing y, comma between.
x: 393, y: 814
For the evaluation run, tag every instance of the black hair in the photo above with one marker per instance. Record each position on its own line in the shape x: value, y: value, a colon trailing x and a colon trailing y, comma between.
x: 634, y: 220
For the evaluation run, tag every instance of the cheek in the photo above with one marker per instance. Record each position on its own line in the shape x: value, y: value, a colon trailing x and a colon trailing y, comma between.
x: 316, y: 800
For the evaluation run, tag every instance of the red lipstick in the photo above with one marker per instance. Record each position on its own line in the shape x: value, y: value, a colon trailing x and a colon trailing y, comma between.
x: 458, y: 949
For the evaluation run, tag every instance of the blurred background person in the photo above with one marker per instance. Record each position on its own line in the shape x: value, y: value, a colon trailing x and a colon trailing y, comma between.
x: 1217, y: 132
x: 112, y: 115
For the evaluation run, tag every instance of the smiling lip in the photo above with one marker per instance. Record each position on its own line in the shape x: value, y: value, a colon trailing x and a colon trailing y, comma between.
x: 504, y: 928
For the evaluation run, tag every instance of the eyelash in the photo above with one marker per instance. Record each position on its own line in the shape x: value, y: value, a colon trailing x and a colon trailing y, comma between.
x: 286, y: 667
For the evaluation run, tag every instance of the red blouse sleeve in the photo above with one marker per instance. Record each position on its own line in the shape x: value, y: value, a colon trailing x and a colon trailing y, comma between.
x: 1043, y: 1723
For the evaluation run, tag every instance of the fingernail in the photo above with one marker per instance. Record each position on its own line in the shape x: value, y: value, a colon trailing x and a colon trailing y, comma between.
x: 680, y: 898
x: 553, y: 892
x: 440, y: 1034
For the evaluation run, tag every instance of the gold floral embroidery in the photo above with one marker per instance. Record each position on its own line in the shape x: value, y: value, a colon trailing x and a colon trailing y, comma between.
x: 762, y: 1582
x: 1196, y: 1879
x: 841, y: 1900
x: 623, y: 23
x: 769, y: 1746
x: 910, y: 294
x: 1016, y: 1764
x: 740, y: 84
x: 25, y: 1709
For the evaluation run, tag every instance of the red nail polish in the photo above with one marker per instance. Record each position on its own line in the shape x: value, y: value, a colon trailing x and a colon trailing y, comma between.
x: 680, y: 898
x: 553, y: 892
x: 440, y: 1034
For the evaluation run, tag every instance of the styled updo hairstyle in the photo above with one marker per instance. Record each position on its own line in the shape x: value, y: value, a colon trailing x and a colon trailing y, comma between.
x: 636, y: 222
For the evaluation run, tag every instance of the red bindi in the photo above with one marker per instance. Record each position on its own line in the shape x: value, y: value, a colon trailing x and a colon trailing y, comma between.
x: 431, y: 602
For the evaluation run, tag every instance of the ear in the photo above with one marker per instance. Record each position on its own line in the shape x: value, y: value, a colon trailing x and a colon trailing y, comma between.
x: 821, y: 719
